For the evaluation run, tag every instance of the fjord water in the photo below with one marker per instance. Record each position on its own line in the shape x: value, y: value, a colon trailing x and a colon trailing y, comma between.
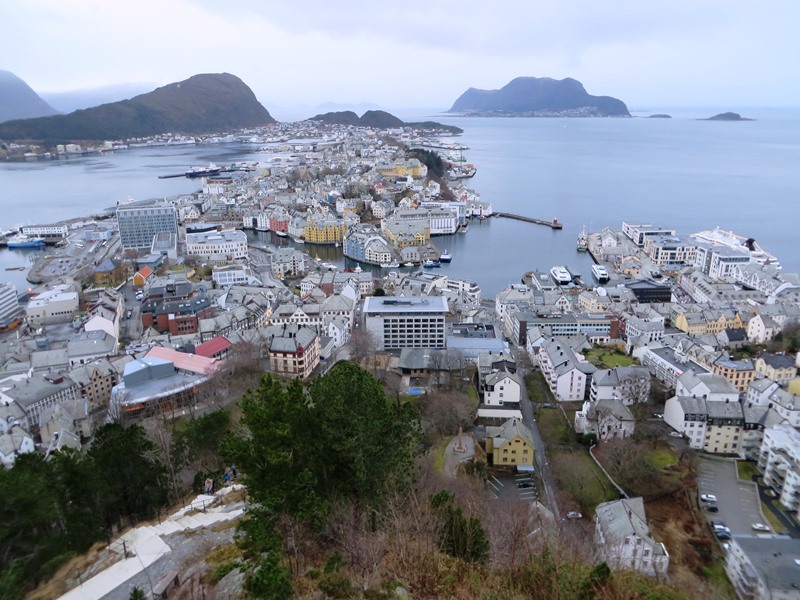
x: 680, y: 172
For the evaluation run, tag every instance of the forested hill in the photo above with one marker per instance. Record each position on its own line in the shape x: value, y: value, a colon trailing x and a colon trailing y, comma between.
x: 379, y: 119
x: 203, y: 103
x: 543, y: 95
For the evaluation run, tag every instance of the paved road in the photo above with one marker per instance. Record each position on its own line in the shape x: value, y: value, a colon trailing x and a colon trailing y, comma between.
x: 453, y: 459
x: 738, y: 502
x: 549, y: 496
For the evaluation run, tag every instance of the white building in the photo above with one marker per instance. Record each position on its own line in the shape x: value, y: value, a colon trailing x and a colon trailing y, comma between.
x: 406, y: 322
x: 9, y: 304
x: 56, y: 305
x: 565, y: 371
x: 13, y: 442
x: 608, y: 419
x: 687, y: 416
x: 227, y: 275
x: 500, y: 389
x: 218, y: 245
x: 779, y: 461
x: 623, y: 538
x: 764, y: 567
x: 46, y: 231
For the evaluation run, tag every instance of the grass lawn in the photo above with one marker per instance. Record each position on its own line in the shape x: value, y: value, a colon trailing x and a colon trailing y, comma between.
x: 438, y: 454
x: 537, y: 388
x: 579, y: 477
x: 773, y: 522
x: 746, y: 469
x: 662, y: 457
x: 554, y: 428
x: 601, y: 358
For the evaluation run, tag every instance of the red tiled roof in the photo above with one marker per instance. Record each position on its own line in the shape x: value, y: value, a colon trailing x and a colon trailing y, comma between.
x: 212, y: 347
x: 145, y: 272
x: 183, y: 361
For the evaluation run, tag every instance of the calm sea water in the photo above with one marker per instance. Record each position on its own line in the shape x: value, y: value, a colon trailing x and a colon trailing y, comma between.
x: 679, y: 172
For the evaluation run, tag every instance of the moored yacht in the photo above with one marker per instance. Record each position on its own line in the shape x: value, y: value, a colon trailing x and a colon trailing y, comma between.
x: 600, y: 273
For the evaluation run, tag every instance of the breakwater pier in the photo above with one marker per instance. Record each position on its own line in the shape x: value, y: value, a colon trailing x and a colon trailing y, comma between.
x: 554, y: 224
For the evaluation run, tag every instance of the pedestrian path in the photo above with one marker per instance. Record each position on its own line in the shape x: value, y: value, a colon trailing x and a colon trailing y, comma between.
x: 145, y: 546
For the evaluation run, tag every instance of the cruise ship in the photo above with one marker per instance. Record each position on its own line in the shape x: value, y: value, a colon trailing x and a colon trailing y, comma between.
x: 720, y: 237
x: 561, y: 275
x: 600, y: 273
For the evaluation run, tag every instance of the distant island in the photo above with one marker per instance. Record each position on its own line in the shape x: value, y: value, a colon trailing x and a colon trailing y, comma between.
x: 659, y: 116
x: 379, y: 119
x: 203, y: 103
x: 727, y: 116
x: 538, y: 97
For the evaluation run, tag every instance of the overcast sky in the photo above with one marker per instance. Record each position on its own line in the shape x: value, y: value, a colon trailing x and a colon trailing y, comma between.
x: 415, y: 53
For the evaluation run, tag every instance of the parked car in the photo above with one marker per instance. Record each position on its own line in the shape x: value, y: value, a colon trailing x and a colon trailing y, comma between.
x: 723, y: 535
x: 760, y: 527
x: 708, y: 497
x: 525, y: 484
x: 712, y: 508
x: 658, y: 415
x: 721, y: 528
x: 574, y: 514
x: 675, y: 434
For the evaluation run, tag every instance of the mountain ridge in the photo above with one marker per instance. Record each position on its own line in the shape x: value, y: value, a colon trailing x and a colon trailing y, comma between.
x: 19, y: 101
x: 538, y: 96
x: 203, y: 103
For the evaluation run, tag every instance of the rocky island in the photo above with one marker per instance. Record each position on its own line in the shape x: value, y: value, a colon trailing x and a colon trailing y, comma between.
x: 727, y: 116
x: 538, y: 97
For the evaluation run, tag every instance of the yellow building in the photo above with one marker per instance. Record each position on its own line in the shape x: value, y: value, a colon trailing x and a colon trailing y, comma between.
x: 402, y: 168
x: 510, y: 444
x: 777, y: 367
x: 325, y: 231
x: 739, y: 372
x: 693, y: 323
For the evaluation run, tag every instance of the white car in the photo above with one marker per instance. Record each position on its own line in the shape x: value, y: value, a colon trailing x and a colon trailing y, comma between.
x: 574, y: 514
x: 708, y: 497
x: 760, y: 527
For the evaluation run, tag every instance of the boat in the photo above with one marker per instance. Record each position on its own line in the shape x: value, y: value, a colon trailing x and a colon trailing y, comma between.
x: 429, y: 264
x: 408, y: 264
x: 561, y: 275
x: 600, y: 273
x: 25, y: 241
x: 15, y: 268
x: 720, y: 237
x: 583, y: 241
x: 390, y: 265
x: 464, y: 229
x: 446, y: 257
x: 281, y: 234
x: 211, y: 169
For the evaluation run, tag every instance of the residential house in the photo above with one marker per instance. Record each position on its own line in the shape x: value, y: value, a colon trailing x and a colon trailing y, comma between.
x: 687, y: 415
x: 629, y: 385
x: 779, y: 461
x: 510, y: 444
x: 294, y: 351
x: 780, y: 368
x: 607, y: 418
x: 14, y: 442
x: 567, y: 373
x: 624, y: 540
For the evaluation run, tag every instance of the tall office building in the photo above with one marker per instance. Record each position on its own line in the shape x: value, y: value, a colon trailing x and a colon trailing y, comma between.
x: 9, y: 304
x: 140, y: 221
x: 406, y: 322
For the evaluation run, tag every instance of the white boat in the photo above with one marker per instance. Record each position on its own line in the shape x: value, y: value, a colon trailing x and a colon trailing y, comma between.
x: 720, y: 237
x: 446, y: 257
x: 390, y: 265
x: 561, y: 275
x: 281, y: 234
x: 600, y: 273
x: 408, y: 264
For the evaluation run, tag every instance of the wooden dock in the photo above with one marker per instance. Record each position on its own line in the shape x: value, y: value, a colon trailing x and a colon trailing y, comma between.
x: 554, y: 224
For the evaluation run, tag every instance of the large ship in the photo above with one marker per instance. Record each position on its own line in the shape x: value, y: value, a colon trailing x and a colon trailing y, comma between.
x: 211, y: 169
x: 720, y: 237
x: 446, y: 257
x: 25, y: 241
x: 600, y: 273
x: 583, y: 241
x: 561, y: 275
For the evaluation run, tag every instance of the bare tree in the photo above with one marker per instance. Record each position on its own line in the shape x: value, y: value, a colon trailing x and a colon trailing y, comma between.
x: 443, y: 413
x: 635, y: 388
x: 362, y: 344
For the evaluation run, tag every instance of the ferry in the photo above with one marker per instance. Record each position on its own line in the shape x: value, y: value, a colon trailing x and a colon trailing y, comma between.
x: 600, y: 273
x: 429, y: 264
x: 211, y: 169
x: 561, y: 275
x: 24, y: 241
x: 720, y: 237
x: 446, y: 257
x: 583, y: 241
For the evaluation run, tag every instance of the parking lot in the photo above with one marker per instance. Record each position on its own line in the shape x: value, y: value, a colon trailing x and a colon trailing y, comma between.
x: 738, y: 502
x: 523, y: 486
